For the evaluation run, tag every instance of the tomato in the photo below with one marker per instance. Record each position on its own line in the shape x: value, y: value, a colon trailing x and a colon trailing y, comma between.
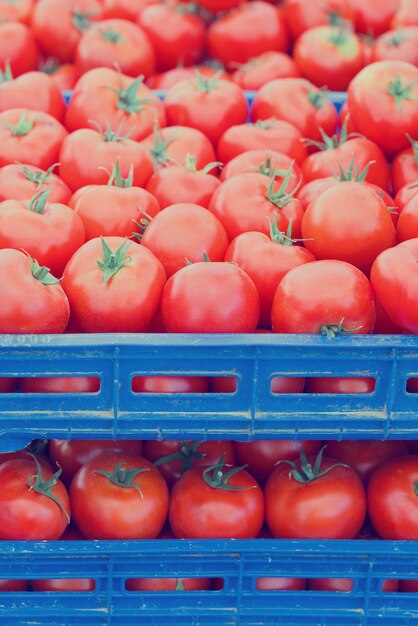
x: 199, y: 495
x: 7, y: 385
x: 340, y: 384
x: 392, y: 499
x: 374, y: 16
x: 119, y: 496
x: 59, y: 24
x: 176, y: 34
x: 34, y: 90
x: 170, y: 384
x: 314, y: 498
x: 171, y: 145
x: 185, y: 231
x: 124, y: 9
x: 279, y: 384
x: 406, y: 15
x: 407, y: 226
x: 275, y: 583
x: 71, y: 455
x: 21, y: 182
x: 168, y: 584
x: 311, y: 111
x: 397, y: 45
x: 64, y: 76
x: 60, y: 384
x: 34, y: 502
x: 32, y: 300
x: 14, y: 585
x: 268, y: 134
x: 383, y: 324
x: 302, y: 15
x: 327, y: 297
x: 115, y: 43
x: 408, y: 586
x: 101, y: 282
x: 167, y: 79
x: 17, y: 48
x: 405, y: 194
x: 30, y: 137
x: 266, y: 260
x: 209, y: 105
x: 246, y: 32
x: 173, y: 458
x: 383, y: 102
x: 218, y: 6
x: 184, y: 183
x: 350, y: 223
x: 405, y: 167
x: 261, y: 456
x: 264, y: 68
x: 16, y: 11
x: 345, y: 585
x: 210, y: 298
x: 126, y: 104
x: 329, y: 55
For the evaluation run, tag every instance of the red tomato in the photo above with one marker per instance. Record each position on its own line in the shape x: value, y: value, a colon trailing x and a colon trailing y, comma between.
x: 350, y: 223
x: 383, y: 102
x: 176, y: 34
x: 264, y: 68
x: 119, y: 496
x: 408, y: 586
x: 265, y: 134
x: 34, y: 502
x: 405, y: 194
x: 167, y: 79
x: 173, y: 458
x: 210, y: 298
x: 34, y: 90
x: 397, y: 45
x: 302, y: 15
x: 126, y: 104
x: 14, y: 585
x: 17, y: 48
x: 60, y: 384
x: 125, y: 9
x: 279, y: 384
x: 384, y: 325
x: 218, y: 6
x: 374, y: 16
x: 345, y: 585
x: 198, y: 497
x: 261, y: 456
x: 17, y: 11
x: 171, y: 145
x: 327, y: 297
x: 170, y: 384
x: 30, y: 137
x: 115, y: 43
x: 311, y: 112
x: 405, y: 167
x: 340, y: 384
x: 406, y: 15
x: 59, y: 24
x: 168, y: 584
x: 314, y: 499
x: 407, y: 226
x: 7, y: 385
x: 392, y: 499
x: 209, y: 105
x: 185, y: 231
x: 274, y: 583
x: 32, y: 300
x: 71, y: 455
x: 248, y: 31
x: 21, y: 182
x: 101, y: 282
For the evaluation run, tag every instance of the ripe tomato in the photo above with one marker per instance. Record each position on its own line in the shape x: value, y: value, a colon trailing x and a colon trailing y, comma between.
x: 314, y: 498
x: 171, y: 145
x: 311, y: 112
x: 340, y: 384
x: 264, y: 68
x: 119, y: 496
x: 268, y: 134
x: 7, y: 385
x: 101, y: 282
x: 397, y: 45
x: 199, y: 495
x: 279, y: 384
x: 383, y: 103
x: 327, y: 297
x: 167, y: 79
x: 185, y: 231
x: 126, y: 104
x: 33, y: 90
x: 209, y: 105
x: 274, y: 583
x: 21, y: 182
x: 407, y: 226
x: 71, y: 455
x: 30, y: 137
x: 32, y: 300
x: 14, y: 585
x: 345, y: 585
x: 170, y: 384
x: 18, y: 48
x: 329, y: 55
x: 218, y: 6
x: 17, y: 11
x: 302, y: 15
x: 405, y: 194
x: 191, y: 300
x: 261, y: 456
x: 406, y: 15
x: 246, y: 32
x: 405, y: 167
x: 173, y: 458
x: 374, y: 16
x: 34, y: 502
x: 408, y: 586
x: 60, y: 384
x: 115, y: 43
x: 349, y: 222
x: 392, y: 499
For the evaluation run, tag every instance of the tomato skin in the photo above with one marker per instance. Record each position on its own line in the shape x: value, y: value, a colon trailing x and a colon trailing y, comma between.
x: 397, y: 45
x: 406, y: 15
x: 102, y: 510
x: 323, y: 293
x: 246, y: 32
x: 26, y: 514
x: 332, y: 506
x: 407, y: 226
x: 376, y: 113
x: 374, y: 16
x: 168, y: 584
x: 211, y: 111
x: 405, y: 194
x: 22, y: 295
x: 405, y: 168
x: 16, y: 184
x: 185, y: 231
x: 301, y: 15
x: 18, y: 48
x: 279, y: 384
x: 194, y: 508
x: 167, y: 79
x: 340, y: 384
x: 392, y: 499
x: 20, y: 11
x: 190, y: 302
x: 125, y: 9
x: 7, y: 385
x: 64, y: 76
x: 408, y: 586
x: 14, y: 585
x: 264, y: 68
x: 177, y: 184
x: 170, y: 384
x: 345, y: 585
x: 72, y: 455
x: 306, y: 115
x: 218, y: 6
x: 60, y: 384
x: 261, y: 455
x: 34, y: 90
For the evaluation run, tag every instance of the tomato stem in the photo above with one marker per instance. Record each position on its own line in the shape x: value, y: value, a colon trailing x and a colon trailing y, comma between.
x: 358, y: 175
x: 331, y: 330
x: 159, y: 149
x: 124, y: 478
x: 111, y: 36
x: 81, y: 20
x: 128, y: 99
x: 308, y: 473
x: 41, y: 273
x: 6, y: 74
x: 400, y: 91
x: 281, y: 197
x: 38, y: 201
x: 188, y: 452
x: 215, y: 477
x: 190, y: 165
x: 38, y: 177
x: 113, y: 261
x: 23, y: 127
x: 118, y: 180
x: 44, y: 487
x: 204, y: 84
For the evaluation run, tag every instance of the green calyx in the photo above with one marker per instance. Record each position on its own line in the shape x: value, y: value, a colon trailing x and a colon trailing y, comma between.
x: 41, y: 273
x: 217, y: 478
x: 109, y: 135
x: 44, y: 487
x: 37, y: 177
x: 335, y: 18
x: 124, y: 478
x: 266, y: 167
x: 265, y: 124
x: 339, y: 35
x: 6, y: 74
x: 331, y: 142
x: 38, y: 202
x: 204, y: 84
x: 81, y: 20
x: 117, y: 180
x: 400, y: 91
x: 188, y: 452
x: 396, y: 39
x: 281, y: 197
x: 277, y: 236
x: 111, y: 36
x: 143, y: 223
x: 113, y: 261
x: 308, y: 473
x: 179, y: 586
x: 128, y: 99
x: 158, y: 152
x: 22, y: 128
x: 190, y: 165
x: 331, y: 330
x: 353, y: 173
x: 205, y: 256
x: 317, y: 97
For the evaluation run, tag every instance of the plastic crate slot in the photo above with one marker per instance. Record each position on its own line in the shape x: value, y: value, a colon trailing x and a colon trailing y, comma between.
x: 412, y: 385
x: 64, y: 384
x: 340, y: 385
x: 280, y: 584
x: 168, y: 584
